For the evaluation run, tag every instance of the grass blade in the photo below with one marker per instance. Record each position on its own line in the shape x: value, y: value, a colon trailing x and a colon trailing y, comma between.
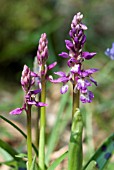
x: 19, y: 130
x: 103, y: 154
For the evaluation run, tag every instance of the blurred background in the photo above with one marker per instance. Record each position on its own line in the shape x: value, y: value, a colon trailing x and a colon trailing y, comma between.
x: 21, y: 24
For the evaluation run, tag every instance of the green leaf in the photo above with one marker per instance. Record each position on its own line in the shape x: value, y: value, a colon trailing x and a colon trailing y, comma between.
x: 16, y: 161
x: 58, y: 161
x: 34, y: 165
x: 21, y: 155
x: 9, y: 163
x: 103, y: 154
x: 14, y: 164
x: 8, y: 149
x: 19, y: 130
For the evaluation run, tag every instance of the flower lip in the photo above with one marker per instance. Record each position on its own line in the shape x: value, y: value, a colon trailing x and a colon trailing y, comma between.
x: 87, y: 97
x: 71, y: 62
x: 64, y: 89
x: 76, y: 68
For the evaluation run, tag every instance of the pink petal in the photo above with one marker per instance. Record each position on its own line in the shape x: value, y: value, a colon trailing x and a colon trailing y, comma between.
x: 52, y: 65
x: 16, y: 111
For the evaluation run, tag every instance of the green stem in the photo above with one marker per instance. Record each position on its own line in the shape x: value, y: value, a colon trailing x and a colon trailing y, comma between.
x: 37, y: 126
x: 42, y: 127
x: 29, y: 140
x: 75, y: 103
x: 75, y: 155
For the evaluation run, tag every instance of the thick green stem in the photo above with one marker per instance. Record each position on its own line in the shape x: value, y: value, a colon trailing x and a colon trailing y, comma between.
x: 75, y: 155
x: 42, y: 127
x: 75, y: 103
x: 29, y: 140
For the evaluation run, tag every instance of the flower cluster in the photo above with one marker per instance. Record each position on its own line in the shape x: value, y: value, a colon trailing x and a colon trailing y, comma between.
x: 80, y: 78
x: 110, y: 52
x: 40, y: 66
x: 27, y: 81
x: 29, y: 78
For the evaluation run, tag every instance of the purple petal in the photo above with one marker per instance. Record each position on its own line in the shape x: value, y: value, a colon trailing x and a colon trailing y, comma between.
x: 80, y: 33
x: 91, y: 70
x: 76, y: 40
x: 71, y: 62
x: 93, y: 81
x: 88, y: 55
x: 60, y: 73
x: 16, y: 111
x: 84, y: 27
x: 69, y: 44
x: 35, y: 91
x: 64, y: 89
x: 60, y: 80
x: 88, y: 72
x: 64, y: 55
x: 32, y: 102
x: 81, y: 85
x: 52, y: 65
x: 71, y: 33
x: 83, y: 39
x: 87, y: 97
x: 33, y: 74
x: 41, y: 104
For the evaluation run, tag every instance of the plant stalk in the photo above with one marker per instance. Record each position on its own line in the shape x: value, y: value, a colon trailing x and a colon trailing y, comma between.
x: 37, y: 126
x: 42, y: 126
x: 29, y: 139
x: 75, y: 155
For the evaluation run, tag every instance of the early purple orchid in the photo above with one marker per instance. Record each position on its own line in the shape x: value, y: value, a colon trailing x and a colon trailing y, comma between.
x: 40, y: 61
x: 110, y: 52
x: 27, y: 81
x: 80, y: 78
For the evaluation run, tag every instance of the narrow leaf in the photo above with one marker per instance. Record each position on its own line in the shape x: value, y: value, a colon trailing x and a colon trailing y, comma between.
x: 8, y: 149
x: 34, y: 166
x: 11, y: 163
x: 58, y: 161
x: 19, y: 130
x: 103, y: 154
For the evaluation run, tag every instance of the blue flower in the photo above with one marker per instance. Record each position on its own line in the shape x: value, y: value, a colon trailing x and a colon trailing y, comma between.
x: 110, y: 52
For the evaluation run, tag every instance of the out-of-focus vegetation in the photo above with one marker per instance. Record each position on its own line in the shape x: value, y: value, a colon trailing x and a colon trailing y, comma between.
x: 22, y: 22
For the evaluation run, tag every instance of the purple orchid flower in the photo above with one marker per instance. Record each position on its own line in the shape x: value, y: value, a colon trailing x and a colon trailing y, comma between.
x: 27, y: 81
x: 86, y: 97
x: 62, y: 79
x: 40, y: 60
x: 80, y: 78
